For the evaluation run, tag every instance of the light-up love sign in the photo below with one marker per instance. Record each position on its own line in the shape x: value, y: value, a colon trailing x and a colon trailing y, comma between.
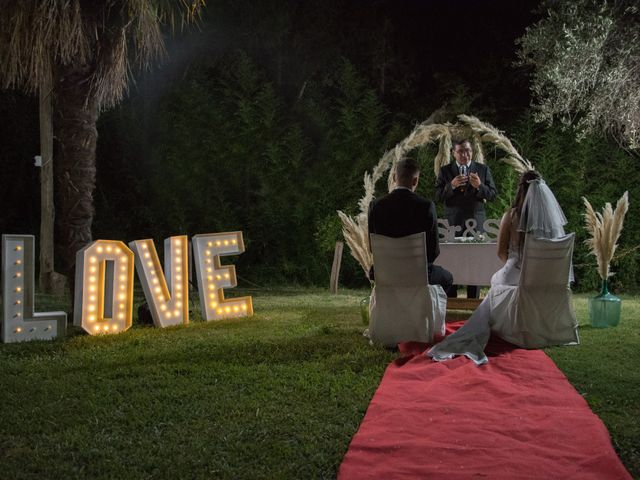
x: 19, y: 321
x: 104, y: 287
x: 103, y: 296
x: 213, y: 277
x: 168, y: 300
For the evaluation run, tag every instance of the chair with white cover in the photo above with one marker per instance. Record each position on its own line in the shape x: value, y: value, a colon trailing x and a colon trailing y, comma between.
x: 538, y: 312
x: 404, y: 307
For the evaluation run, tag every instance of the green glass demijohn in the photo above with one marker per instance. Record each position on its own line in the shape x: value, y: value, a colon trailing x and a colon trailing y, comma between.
x: 604, y: 309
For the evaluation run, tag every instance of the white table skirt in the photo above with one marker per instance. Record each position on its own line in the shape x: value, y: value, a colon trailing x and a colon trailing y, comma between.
x: 470, y: 263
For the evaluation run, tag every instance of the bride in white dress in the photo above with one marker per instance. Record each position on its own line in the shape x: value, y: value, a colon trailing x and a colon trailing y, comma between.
x: 536, y: 212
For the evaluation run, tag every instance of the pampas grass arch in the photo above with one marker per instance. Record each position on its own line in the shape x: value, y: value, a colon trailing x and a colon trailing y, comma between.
x: 355, y: 229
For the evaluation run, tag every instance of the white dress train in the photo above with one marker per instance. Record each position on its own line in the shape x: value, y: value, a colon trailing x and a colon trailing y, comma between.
x: 471, y: 339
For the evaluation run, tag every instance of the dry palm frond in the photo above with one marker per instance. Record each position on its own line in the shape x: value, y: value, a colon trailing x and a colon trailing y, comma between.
x: 100, y: 39
x: 604, y: 229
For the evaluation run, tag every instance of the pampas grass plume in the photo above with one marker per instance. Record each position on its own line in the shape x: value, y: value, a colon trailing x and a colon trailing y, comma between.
x: 604, y: 230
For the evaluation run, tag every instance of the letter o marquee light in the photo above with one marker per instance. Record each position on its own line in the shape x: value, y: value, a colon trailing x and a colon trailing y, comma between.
x: 104, y: 287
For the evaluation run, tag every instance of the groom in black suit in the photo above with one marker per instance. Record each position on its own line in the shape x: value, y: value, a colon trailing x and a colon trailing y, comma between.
x: 464, y: 186
x: 402, y: 212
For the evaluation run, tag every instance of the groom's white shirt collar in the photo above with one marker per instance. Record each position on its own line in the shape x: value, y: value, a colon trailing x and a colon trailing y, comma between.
x: 402, y: 188
x: 468, y: 165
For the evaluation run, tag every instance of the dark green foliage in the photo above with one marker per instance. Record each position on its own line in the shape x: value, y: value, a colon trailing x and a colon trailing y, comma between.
x: 233, y: 159
x: 228, y: 153
x: 352, y: 116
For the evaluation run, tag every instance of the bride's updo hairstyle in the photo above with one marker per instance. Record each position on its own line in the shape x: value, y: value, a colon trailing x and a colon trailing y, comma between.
x: 523, y: 188
x: 518, y: 202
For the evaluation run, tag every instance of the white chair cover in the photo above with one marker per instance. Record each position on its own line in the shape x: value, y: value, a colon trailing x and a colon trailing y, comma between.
x: 538, y: 312
x: 404, y: 307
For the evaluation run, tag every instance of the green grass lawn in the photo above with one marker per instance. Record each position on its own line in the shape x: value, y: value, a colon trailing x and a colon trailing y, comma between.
x: 278, y: 395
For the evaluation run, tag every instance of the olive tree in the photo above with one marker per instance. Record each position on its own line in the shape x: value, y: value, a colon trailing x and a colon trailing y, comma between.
x: 585, y: 56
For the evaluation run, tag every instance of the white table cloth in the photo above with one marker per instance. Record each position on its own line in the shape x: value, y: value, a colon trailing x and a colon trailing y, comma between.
x: 470, y: 263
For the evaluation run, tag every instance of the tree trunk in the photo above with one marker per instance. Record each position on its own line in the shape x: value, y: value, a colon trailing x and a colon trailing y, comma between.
x: 47, y: 213
x: 77, y: 113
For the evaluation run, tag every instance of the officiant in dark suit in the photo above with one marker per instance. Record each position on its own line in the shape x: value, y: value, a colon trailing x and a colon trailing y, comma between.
x: 464, y: 186
x: 402, y: 212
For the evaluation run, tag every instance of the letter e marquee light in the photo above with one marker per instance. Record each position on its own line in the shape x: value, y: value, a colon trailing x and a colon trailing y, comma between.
x: 168, y: 299
x: 213, y: 277
x: 104, y: 287
x: 19, y: 321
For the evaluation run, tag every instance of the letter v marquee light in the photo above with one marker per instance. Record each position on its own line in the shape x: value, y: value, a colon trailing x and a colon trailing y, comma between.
x: 168, y: 300
x: 19, y: 321
x: 213, y: 277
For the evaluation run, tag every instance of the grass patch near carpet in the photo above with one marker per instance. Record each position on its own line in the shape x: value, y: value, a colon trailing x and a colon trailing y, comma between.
x: 278, y: 395
x: 605, y: 369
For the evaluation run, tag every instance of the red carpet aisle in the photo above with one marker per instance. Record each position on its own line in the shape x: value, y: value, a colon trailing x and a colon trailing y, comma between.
x: 516, y: 418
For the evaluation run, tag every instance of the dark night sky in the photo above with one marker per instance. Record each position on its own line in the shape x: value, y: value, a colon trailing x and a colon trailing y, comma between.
x: 466, y: 40
x: 431, y: 45
x: 459, y: 35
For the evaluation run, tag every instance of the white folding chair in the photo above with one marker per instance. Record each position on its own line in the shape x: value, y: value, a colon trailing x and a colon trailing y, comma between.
x: 404, y: 307
x: 538, y: 312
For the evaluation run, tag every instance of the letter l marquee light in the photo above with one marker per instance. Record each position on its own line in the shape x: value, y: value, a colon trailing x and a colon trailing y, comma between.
x: 213, y: 277
x: 104, y: 287
x: 168, y: 300
x: 19, y: 321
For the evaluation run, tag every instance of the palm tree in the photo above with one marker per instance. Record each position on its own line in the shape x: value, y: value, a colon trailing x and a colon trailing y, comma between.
x: 85, y: 50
